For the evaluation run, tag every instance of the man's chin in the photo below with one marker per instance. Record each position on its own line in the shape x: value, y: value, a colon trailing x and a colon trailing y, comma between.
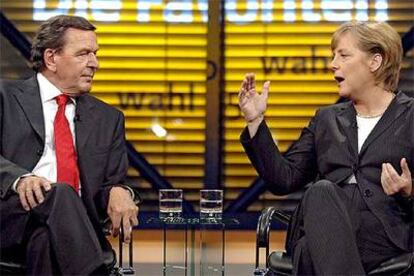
x: 85, y: 89
x: 80, y: 92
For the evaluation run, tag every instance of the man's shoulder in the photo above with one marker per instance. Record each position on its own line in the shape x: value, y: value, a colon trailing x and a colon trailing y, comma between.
x: 101, y: 105
x: 9, y: 82
x: 8, y: 85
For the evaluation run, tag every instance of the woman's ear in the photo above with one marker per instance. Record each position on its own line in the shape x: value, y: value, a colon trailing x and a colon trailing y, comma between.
x: 376, y: 62
x: 49, y: 59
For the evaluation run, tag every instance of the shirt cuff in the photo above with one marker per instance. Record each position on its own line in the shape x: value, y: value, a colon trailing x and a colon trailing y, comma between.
x: 14, y: 186
x: 135, y: 197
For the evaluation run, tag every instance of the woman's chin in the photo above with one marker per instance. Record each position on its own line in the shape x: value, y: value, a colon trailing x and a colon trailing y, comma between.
x: 344, y: 93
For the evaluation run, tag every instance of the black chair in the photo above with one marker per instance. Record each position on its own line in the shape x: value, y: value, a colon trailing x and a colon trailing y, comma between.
x: 279, y: 263
x: 18, y: 268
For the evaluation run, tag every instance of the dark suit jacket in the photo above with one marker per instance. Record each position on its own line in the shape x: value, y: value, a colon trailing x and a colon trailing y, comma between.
x: 327, y: 148
x: 100, y: 144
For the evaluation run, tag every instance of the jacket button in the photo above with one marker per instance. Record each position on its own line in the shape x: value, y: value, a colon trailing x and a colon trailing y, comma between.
x: 368, y: 193
x: 355, y: 168
x: 39, y: 152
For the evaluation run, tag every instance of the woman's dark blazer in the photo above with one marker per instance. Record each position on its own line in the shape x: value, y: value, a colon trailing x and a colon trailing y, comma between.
x: 328, y: 149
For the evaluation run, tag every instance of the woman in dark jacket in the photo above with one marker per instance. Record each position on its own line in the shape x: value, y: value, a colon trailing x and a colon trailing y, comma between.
x: 360, y: 211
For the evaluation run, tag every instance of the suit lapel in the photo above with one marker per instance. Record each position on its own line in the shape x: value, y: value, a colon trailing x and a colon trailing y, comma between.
x: 396, y: 108
x: 346, y: 118
x: 84, y: 121
x: 29, y: 100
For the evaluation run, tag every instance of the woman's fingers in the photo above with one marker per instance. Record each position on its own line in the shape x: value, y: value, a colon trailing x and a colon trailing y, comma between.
x: 265, y: 91
x: 405, y: 169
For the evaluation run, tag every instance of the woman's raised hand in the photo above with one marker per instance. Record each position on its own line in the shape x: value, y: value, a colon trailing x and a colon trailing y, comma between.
x: 252, y: 104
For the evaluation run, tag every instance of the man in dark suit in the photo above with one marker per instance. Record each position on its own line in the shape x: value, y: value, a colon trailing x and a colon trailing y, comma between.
x: 359, y: 154
x: 63, y: 158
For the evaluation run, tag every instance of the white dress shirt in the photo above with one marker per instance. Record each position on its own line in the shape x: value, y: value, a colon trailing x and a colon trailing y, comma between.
x: 47, y: 166
x: 365, y: 126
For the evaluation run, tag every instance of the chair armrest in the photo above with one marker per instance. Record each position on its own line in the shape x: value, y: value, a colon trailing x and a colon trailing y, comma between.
x: 106, y: 226
x: 264, y: 222
x: 282, y: 217
x: 262, y: 232
x: 111, y: 262
x: 280, y: 263
x: 400, y: 265
x: 263, y: 229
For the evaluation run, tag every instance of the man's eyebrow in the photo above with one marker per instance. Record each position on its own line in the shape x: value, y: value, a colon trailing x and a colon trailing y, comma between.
x: 86, y: 49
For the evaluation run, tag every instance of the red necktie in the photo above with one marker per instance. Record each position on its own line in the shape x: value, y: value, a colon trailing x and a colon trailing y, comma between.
x: 67, y: 165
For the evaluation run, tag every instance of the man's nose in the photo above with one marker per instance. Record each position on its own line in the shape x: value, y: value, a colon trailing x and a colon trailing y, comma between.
x: 93, y: 60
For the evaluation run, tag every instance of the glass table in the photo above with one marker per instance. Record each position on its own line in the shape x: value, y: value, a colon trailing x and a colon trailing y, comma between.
x: 204, y: 252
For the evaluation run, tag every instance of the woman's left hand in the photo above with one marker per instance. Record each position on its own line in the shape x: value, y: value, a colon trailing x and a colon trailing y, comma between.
x: 393, y: 183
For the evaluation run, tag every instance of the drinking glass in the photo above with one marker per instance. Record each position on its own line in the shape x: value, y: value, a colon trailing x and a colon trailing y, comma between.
x: 211, y: 204
x: 171, y: 203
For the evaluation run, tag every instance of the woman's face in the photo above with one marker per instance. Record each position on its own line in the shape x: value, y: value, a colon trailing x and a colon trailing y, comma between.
x: 351, y: 68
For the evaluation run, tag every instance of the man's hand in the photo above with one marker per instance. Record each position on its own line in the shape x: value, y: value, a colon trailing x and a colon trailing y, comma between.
x: 121, y: 207
x: 393, y: 183
x: 252, y: 104
x: 30, y: 190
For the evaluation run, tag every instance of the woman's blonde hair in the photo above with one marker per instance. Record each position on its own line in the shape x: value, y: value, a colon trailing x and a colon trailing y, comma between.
x: 376, y: 38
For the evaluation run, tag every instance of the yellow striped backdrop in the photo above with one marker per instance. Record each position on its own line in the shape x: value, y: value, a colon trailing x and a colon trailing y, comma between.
x: 155, y: 69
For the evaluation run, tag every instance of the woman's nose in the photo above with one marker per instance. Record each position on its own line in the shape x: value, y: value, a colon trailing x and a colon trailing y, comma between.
x: 334, y: 65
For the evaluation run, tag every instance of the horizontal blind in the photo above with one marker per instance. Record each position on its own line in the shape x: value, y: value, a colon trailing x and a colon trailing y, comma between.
x: 151, y: 68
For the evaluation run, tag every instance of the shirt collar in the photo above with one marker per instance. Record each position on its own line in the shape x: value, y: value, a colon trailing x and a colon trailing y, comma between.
x: 48, y: 91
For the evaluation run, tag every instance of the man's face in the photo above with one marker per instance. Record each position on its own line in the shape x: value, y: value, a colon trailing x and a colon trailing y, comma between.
x: 76, y: 63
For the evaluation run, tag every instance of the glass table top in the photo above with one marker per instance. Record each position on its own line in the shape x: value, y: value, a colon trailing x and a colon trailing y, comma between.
x: 194, y: 221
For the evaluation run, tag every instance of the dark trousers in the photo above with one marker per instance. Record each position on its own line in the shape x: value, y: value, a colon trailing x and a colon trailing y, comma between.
x: 56, y: 237
x: 338, y: 233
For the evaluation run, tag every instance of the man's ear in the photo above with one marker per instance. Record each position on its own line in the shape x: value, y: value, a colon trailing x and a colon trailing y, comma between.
x: 49, y: 59
x: 376, y: 62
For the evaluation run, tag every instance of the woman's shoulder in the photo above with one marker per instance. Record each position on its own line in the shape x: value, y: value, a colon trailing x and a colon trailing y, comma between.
x: 406, y: 96
x: 409, y: 94
x: 405, y: 100
x: 338, y: 107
